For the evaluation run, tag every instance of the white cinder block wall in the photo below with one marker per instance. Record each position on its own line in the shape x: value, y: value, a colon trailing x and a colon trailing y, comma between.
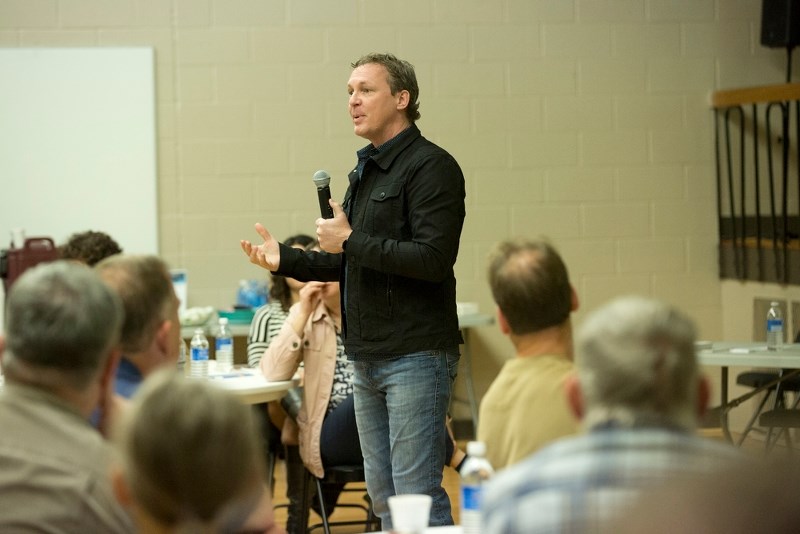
x: 583, y: 120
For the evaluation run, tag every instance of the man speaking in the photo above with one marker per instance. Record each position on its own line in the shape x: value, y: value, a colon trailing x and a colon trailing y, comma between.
x: 392, y: 244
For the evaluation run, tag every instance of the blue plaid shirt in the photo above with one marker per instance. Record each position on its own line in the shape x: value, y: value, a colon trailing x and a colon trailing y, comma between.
x: 578, y: 483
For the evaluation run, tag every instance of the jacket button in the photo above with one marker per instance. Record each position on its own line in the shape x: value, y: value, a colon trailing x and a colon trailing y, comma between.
x: 295, y: 345
x: 306, y: 343
x: 383, y: 195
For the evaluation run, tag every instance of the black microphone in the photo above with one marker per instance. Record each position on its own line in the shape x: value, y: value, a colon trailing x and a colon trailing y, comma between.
x: 322, y: 179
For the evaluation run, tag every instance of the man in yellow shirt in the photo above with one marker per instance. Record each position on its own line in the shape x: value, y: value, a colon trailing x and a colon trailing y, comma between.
x: 525, y: 407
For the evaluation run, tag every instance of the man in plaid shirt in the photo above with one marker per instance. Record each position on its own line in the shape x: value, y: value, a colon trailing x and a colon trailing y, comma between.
x: 639, y: 394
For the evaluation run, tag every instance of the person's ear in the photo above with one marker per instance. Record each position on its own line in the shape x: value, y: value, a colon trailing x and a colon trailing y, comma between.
x: 502, y: 322
x: 575, y: 302
x: 109, y: 370
x: 403, y: 98
x: 574, y: 394
x: 120, y: 486
x: 105, y: 389
x: 162, y: 338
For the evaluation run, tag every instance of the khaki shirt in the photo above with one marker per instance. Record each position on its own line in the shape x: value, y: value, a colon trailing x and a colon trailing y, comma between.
x: 53, y: 468
x: 525, y: 408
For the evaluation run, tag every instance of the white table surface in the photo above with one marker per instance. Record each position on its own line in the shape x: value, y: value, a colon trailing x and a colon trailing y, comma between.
x: 730, y: 354
x: 451, y: 529
x: 249, y: 385
x: 466, y: 321
x: 470, y: 320
x: 733, y: 354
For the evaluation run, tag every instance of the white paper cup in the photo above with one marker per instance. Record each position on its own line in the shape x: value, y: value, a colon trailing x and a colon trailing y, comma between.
x: 410, y: 513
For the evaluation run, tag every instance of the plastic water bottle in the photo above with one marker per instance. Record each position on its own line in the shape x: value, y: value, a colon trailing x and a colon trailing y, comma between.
x: 224, y: 352
x: 199, y: 354
x: 774, y: 326
x: 474, y: 474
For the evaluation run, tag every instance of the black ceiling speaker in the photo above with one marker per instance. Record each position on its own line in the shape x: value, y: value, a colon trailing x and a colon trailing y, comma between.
x: 780, y: 23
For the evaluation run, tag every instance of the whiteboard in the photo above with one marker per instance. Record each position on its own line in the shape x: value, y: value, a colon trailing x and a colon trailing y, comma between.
x: 77, y: 144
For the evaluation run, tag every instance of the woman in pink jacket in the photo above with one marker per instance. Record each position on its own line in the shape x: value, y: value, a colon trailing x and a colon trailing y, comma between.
x: 326, y: 421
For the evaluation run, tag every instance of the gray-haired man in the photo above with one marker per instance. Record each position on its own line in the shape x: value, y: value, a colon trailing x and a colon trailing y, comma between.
x: 58, y: 355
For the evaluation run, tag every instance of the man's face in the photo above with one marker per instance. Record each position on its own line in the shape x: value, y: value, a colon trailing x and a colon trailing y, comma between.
x: 377, y: 114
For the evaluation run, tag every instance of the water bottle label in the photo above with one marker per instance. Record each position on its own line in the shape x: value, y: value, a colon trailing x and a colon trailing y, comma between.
x: 774, y: 325
x: 224, y: 344
x: 471, y: 497
x: 199, y: 355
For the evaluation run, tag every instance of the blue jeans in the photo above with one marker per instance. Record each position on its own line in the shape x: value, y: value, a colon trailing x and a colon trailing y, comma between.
x: 401, y: 405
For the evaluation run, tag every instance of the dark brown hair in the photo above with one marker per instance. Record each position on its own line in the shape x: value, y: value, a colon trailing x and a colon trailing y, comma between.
x: 279, y: 289
x: 89, y: 247
x: 530, y: 284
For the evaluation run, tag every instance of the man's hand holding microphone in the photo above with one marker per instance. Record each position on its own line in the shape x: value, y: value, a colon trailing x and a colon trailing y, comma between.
x: 333, y: 229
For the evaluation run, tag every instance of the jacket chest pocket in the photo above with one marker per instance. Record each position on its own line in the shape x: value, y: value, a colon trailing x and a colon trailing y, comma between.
x: 385, y: 210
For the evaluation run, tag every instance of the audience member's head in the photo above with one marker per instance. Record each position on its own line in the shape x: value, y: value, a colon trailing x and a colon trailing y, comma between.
x: 151, y: 330
x: 636, y: 363
x: 281, y: 286
x: 530, y: 285
x: 89, y: 247
x: 61, y: 327
x: 190, y: 459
